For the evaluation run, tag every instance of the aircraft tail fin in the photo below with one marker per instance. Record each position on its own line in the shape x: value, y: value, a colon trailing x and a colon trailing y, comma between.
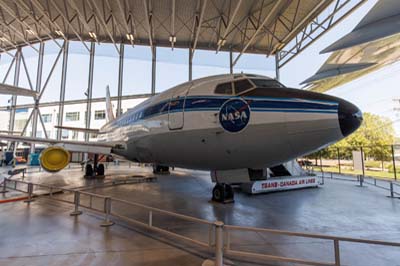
x: 109, y: 110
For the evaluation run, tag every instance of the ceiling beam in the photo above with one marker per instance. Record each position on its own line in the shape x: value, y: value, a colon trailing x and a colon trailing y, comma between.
x: 30, y: 12
x: 17, y: 32
x: 125, y: 21
x: 17, y: 18
x: 228, y: 27
x: 197, y: 29
x: 98, y: 14
x: 305, y: 20
x: 173, y: 24
x: 149, y: 25
x: 42, y: 9
x: 274, y: 10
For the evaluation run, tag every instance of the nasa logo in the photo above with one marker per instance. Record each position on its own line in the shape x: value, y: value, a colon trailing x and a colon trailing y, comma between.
x: 234, y: 115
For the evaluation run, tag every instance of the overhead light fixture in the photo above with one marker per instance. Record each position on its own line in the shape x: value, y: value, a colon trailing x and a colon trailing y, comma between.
x: 221, y: 42
x: 129, y: 36
x: 92, y: 35
x: 172, y: 39
x: 30, y: 31
x: 59, y: 33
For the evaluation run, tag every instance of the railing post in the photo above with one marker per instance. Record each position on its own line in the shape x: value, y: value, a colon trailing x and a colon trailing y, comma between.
x: 337, y: 252
x: 30, y: 193
x: 150, y: 218
x: 391, y: 190
x: 107, y: 211
x: 394, y: 164
x: 4, y: 190
x: 76, y: 211
x: 338, y: 156
x: 219, y: 243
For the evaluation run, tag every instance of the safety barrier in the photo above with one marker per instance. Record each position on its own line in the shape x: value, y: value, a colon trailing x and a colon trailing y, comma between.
x: 390, y: 185
x: 217, y: 240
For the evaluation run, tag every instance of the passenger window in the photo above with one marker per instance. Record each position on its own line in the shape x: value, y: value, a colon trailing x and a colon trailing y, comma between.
x: 225, y: 88
x: 242, y: 85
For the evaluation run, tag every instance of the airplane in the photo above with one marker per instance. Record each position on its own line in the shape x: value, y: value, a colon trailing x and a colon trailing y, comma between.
x: 234, y: 125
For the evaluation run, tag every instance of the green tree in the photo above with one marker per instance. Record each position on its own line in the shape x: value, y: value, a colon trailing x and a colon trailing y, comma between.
x: 375, y: 135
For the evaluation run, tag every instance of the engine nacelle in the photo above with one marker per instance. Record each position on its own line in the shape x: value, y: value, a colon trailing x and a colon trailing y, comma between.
x: 54, y: 158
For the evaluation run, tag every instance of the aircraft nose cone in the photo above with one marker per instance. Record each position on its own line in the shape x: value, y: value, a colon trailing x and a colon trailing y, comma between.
x: 350, y: 117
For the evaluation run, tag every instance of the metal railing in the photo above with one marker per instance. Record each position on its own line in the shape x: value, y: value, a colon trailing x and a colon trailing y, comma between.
x: 382, y: 183
x: 218, y: 239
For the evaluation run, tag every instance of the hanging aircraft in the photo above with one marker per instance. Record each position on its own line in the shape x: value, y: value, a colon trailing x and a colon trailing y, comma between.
x: 233, y: 125
x: 374, y: 43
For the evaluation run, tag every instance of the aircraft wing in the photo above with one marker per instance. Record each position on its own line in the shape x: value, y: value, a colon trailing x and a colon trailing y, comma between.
x: 373, y: 44
x: 76, y: 146
x: 12, y: 90
x: 88, y: 130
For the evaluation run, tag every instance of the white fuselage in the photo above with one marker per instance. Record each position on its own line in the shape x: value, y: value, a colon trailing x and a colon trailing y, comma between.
x: 191, y: 126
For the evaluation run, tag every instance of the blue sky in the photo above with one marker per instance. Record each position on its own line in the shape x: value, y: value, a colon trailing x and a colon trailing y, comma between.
x: 373, y: 93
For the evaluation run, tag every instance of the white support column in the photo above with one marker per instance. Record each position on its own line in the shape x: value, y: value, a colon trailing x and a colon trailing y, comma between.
x: 230, y: 62
x: 90, y: 89
x: 190, y: 65
x: 62, y: 88
x: 14, y: 97
x: 277, y: 73
x: 120, y: 79
x: 38, y: 87
x: 153, y: 69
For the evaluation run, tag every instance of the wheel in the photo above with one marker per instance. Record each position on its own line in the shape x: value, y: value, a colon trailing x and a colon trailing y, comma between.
x: 218, y: 193
x: 100, y: 169
x: 223, y: 193
x: 89, y: 170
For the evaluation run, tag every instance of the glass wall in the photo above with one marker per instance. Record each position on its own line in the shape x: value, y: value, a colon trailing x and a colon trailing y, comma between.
x: 255, y: 64
x: 106, y: 67
x: 137, y: 70
x: 208, y: 63
x: 77, y: 71
x: 172, y: 68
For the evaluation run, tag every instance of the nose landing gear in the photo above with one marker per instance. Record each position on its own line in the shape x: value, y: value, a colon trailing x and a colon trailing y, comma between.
x: 223, y: 193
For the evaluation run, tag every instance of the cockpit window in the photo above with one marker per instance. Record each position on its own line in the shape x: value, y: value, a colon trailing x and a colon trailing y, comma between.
x: 242, y: 85
x: 267, y: 83
x: 224, y: 88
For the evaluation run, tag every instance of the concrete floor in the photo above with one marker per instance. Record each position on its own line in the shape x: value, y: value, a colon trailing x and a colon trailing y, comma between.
x: 44, y: 233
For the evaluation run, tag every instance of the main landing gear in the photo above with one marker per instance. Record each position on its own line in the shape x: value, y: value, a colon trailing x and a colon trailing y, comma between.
x: 96, y: 170
x: 223, y: 193
x: 160, y: 169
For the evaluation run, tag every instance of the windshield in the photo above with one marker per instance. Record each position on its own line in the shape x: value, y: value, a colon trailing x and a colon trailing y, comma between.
x: 267, y: 83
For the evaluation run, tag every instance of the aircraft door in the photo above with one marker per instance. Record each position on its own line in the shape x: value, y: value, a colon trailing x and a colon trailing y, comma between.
x: 176, y: 109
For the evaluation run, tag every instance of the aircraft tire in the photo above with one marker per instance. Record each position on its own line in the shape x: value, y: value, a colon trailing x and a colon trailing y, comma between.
x: 89, y: 170
x: 218, y: 193
x: 223, y: 193
x: 100, y: 169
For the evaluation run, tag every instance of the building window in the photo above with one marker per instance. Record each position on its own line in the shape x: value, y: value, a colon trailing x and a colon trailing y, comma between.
x: 75, y: 135
x: 72, y: 116
x: 64, y: 134
x: 46, y: 118
x: 99, y: 115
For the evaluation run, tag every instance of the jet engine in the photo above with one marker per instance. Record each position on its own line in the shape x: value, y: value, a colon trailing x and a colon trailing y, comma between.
x: 54, y: 158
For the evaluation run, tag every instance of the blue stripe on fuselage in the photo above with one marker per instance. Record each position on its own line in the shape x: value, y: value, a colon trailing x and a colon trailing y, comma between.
x: 214, y: 103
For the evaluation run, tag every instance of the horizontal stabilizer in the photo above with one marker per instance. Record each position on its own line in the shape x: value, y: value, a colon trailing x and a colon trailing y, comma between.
x: 382, y: 21
x: 332, y: 70
x: 12, y: 90
x: 80, y: 129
